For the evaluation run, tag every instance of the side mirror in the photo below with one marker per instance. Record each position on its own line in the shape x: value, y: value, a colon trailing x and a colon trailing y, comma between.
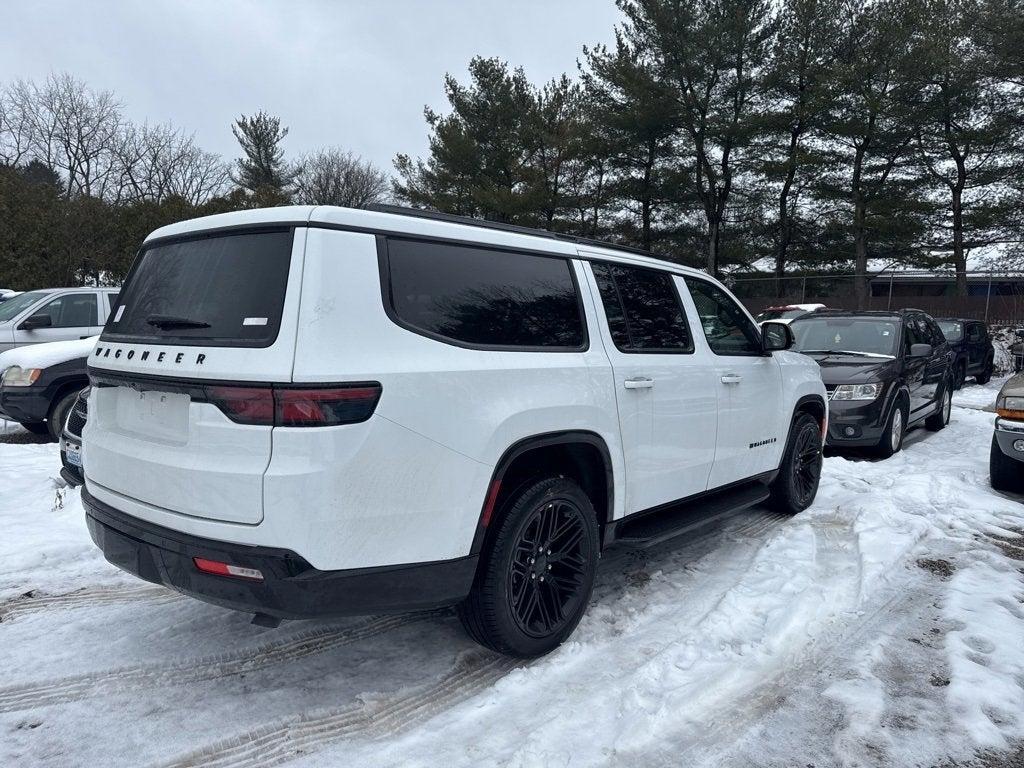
x: 920, y: 350
x: 36, y: 321
x: 775, y: 337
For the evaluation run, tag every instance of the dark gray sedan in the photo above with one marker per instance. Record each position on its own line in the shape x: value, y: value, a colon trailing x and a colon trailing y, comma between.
x: 1006, y: 462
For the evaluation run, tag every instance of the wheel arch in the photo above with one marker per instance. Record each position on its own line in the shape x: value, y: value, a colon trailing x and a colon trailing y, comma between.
x: 571, y: 450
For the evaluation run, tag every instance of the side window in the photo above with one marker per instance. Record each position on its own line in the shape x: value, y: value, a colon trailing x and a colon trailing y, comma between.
x: 726, y: 326
x: 482, y: 297
x: 934, y: 332
x: 643, y: 310
x: 975, y: 332
x: 71, y: 311
x: 916, y: 332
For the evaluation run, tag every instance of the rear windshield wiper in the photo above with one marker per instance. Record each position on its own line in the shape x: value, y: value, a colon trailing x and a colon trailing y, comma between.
x: 167, y: 322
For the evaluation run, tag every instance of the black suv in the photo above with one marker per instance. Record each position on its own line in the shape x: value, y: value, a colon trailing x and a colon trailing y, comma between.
x: 884, y: 372
x: 972, y: 347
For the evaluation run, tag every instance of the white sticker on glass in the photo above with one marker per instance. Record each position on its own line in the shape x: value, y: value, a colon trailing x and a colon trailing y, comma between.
x: 255, y: 321
x: 120, y: 311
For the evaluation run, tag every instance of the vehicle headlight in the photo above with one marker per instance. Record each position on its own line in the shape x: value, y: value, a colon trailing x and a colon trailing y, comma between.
x: 16, y: 376
x: 1010, y: 407
x: 857, y: 391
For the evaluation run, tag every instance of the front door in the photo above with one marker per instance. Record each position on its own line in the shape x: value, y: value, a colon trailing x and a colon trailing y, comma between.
x: 752, y: 426
x: 71, y: 315
x: 664, y: 387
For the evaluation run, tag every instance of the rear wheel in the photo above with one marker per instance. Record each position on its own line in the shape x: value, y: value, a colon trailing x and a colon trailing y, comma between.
x: 59, y: 414
x: 1006, y: 474
x: 940, y: 418
x: 797, y: 483
x: 892, y: 436
x: 537, y: 574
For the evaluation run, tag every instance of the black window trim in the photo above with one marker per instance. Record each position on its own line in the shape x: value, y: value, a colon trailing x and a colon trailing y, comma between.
x: 384, y: 269
x: 206, y: 234
x: 757, y: 326
x: 679, y: 302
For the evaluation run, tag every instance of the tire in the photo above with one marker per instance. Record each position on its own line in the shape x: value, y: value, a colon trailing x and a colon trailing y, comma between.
x: 1004, y: 473
x: 59, y: 414
x: 960, y: 377
x: 36, y: 427
x: 796, y: 485
x: 938, y: 420
x: 892, y: 436
x: 986, y: 373
x: 523, y: 604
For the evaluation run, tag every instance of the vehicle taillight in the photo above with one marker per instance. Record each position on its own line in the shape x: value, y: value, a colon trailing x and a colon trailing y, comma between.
x: 295, y: 406
x: 246, y: 405
x: 325, y: 407
x: 217, y: 568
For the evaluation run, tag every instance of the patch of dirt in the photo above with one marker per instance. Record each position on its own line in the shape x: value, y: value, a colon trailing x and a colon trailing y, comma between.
x: 941, y: 568
x: 1011, y: 546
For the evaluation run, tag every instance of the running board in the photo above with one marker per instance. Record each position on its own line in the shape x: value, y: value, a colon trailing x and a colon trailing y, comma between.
x: 649, y: 528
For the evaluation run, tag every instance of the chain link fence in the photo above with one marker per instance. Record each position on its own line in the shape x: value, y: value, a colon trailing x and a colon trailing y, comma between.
x: 996, y: 297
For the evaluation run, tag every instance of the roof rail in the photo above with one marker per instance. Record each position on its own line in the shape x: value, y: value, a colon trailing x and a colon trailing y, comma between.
x: 422, y: 213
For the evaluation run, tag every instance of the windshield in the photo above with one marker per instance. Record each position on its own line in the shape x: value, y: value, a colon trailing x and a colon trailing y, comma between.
x: 780, y: 314
x: 951, y: 329
x: 851, y: 335
x: 214, y: 290
x: 13, y: 307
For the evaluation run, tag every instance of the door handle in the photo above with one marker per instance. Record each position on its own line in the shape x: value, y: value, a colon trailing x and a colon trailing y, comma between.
x: 638, y: 382
x: 731, y: 378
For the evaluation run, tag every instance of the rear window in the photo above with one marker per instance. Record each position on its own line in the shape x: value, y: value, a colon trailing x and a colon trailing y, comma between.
x: 483, y: 297
x: 227, y: 290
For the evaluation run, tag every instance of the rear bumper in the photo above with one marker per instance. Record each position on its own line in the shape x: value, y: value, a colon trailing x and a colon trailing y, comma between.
x: 291, y: 587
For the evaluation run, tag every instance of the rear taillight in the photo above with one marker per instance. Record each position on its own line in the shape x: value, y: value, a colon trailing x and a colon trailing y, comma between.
x: 296, y: 407
x: 217, y: 568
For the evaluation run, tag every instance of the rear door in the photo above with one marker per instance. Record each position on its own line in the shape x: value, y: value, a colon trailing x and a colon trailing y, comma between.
x: 667, y: 404
x: 752, y: 427
x: 196, y: 315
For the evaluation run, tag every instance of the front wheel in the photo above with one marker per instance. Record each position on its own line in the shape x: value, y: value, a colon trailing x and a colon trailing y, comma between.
x: 36, y: 427
x: 59, y: 415
x: 960, y: 375
x: 986, y: 373
x: 892, y: 436
x: 537, y: 573
x: 940, y: 418
x: 796, y: 485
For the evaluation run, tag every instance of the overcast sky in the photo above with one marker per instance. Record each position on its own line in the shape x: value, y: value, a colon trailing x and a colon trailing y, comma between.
x: 347, y: 73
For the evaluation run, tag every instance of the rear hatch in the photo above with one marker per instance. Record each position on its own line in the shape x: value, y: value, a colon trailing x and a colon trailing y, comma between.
x: 200, y: 324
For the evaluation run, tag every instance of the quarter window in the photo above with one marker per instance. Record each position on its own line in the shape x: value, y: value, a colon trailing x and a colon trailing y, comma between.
x: 643, y: 309
x: 726, y: 326
x: 484, y: 297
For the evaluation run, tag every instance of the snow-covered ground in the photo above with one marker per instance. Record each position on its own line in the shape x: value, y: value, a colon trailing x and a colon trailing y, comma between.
x: 884, y: 626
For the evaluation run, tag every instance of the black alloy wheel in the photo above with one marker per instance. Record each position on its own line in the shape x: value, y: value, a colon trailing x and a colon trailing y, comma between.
x: 547, y: 573
x: 796, y: 484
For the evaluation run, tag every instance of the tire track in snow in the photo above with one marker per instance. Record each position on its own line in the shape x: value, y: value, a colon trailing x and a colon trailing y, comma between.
x: 187, y: 671
x: 375, y: 718
x: 35, y: 601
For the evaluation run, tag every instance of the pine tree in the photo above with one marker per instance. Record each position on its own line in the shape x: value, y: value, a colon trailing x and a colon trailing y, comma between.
x: 262, y: 172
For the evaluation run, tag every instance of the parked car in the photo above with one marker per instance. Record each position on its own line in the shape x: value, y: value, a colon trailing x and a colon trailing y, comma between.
x: 302, y: 412
x: 884, y: 372
x: 39, y: 383
x: 971, y: 344
x: 71, y: 440
x: 54, y: 314
x: 788, y: 313
x: 1006, y: 459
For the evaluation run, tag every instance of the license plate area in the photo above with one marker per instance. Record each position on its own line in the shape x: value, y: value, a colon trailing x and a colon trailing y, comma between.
x: 159, y: 416
x: 73, y: 454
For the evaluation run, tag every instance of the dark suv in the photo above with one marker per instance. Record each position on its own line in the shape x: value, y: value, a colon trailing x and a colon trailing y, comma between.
x: 971, y: 345
x: 884, y: 372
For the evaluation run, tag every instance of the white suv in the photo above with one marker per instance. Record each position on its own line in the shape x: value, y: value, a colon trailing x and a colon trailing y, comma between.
x: 305, y: 412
